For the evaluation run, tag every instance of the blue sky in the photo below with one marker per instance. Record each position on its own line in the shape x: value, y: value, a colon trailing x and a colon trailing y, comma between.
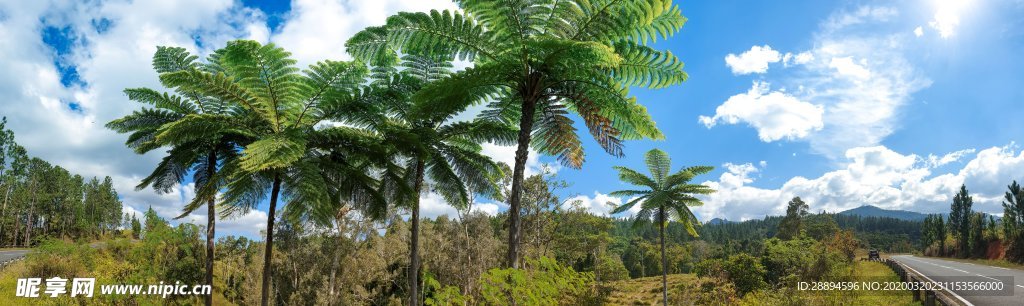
x: 843, y: 103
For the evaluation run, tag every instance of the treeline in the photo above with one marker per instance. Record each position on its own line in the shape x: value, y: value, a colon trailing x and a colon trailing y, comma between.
x: 966, y: 233
x: 41, y: 200
x: 882, y: 233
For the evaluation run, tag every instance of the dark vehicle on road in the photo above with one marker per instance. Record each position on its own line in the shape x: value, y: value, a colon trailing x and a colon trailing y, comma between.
x: 873, y: 255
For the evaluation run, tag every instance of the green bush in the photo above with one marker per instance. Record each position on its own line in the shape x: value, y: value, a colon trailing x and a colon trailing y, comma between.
x: 542, y: 282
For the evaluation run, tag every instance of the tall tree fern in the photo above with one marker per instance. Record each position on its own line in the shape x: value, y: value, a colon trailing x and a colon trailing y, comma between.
x: 296, y: 156
x: 199, y: 156
x: 663, y: 196
x: 437, y: 149
x: 543, y: 64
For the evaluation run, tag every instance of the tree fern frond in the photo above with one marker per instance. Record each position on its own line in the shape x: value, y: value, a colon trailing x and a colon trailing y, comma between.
x: 555, y: 135
x: 669, y: 19
x: 162, y: 101
x: 273, y: 152
x: 646, y: 67
x: 658, y: 164
x: 439, y: 32
x: 173, y: 59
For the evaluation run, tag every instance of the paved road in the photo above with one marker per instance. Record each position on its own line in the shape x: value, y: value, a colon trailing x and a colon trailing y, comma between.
x: 945, y: 270
x: 8, y: 255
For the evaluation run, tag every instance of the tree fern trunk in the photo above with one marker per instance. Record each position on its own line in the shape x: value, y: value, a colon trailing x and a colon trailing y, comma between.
x: 414, y: 244
x: 522, y: 152
x: 211, y: 222
x: 269, y: 252
x: 664, y: 263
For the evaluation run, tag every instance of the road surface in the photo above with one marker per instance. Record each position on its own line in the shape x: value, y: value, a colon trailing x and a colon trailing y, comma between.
x: 945, y: 270
x: 12, y: 254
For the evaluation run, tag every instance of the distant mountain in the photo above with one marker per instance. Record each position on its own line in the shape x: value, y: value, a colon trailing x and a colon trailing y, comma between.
x: 873, y: 211
x: 717, y: 221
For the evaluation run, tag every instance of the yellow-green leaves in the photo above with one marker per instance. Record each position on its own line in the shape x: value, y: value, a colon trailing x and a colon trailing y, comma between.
x: 276, y: 151
x: 646, y: 67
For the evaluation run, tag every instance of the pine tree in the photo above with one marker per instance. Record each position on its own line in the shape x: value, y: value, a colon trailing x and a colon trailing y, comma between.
x: 960, y: 220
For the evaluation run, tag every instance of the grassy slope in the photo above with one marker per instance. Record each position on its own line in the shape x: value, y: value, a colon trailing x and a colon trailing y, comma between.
x: 644, y: 291
x: 647, y: 290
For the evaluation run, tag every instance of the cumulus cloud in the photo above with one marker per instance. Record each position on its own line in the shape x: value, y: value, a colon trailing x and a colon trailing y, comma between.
x: 872, y: 176
x: 755, y: 60
x: 775, y: 114
x: 918, y: 32
x: 600, y: 204
x: 58, y: 98
x: 859, y: 80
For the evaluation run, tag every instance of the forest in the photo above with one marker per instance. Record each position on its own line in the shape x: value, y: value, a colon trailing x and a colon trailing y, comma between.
x: 42, y: 201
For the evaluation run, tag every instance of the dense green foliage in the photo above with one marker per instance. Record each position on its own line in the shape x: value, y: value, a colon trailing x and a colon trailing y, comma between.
x: 41, y: 201
x: 537, y: 62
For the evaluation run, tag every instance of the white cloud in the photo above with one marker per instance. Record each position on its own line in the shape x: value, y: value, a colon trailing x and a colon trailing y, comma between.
x: 755, y: 60
x: 507, y: 155
x: 938, y: 161
x: 775, y: 114
x: 862, y: 15
x: 118, y: 55
x: 860, y: 79
x: 317, y: 29
x: 601, y: 204
x: 947, y: 16
x: 797, y: 59
x: 847, y: 67
x: 918, y: 32
x: 873, y: 176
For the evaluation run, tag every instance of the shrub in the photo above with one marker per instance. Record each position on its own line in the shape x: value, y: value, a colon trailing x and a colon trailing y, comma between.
x: 542, y: 282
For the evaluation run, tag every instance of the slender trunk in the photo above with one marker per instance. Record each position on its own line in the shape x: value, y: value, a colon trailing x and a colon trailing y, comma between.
x: 28, y: 222
x: 3, y: 213
x: 664, y: 263
x: 211, y: 224
x: 414, y: 244
x: 268, y: 254
x: 522, y: 152
x: 334, y: 266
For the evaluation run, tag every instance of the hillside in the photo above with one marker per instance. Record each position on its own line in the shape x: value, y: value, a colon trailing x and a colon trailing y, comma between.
x: 874, y: 211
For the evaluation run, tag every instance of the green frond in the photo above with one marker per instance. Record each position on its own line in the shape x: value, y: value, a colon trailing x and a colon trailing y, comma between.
x: 669, y: 19
x: 446, y: 182
x: 628, y: 205
x: 198, y: 128
x: 646, y: 67
x: 276, y: 151
x: 331, y: 83
x: 173, y: 59
x: 659, y: 164
x: 269, y: 74
x: 633, y: 177
x: 514, y: 20
x: 555, y: 135
x: 170, y: 170
x: 371, y: 45
x: 426, y: 68
x: 443, y: 32
x: 161, y: 101
x: 628, y: 193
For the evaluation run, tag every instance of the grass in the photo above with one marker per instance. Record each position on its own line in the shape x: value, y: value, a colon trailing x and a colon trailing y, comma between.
x: 645, y: 290
x: 875, y: 271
